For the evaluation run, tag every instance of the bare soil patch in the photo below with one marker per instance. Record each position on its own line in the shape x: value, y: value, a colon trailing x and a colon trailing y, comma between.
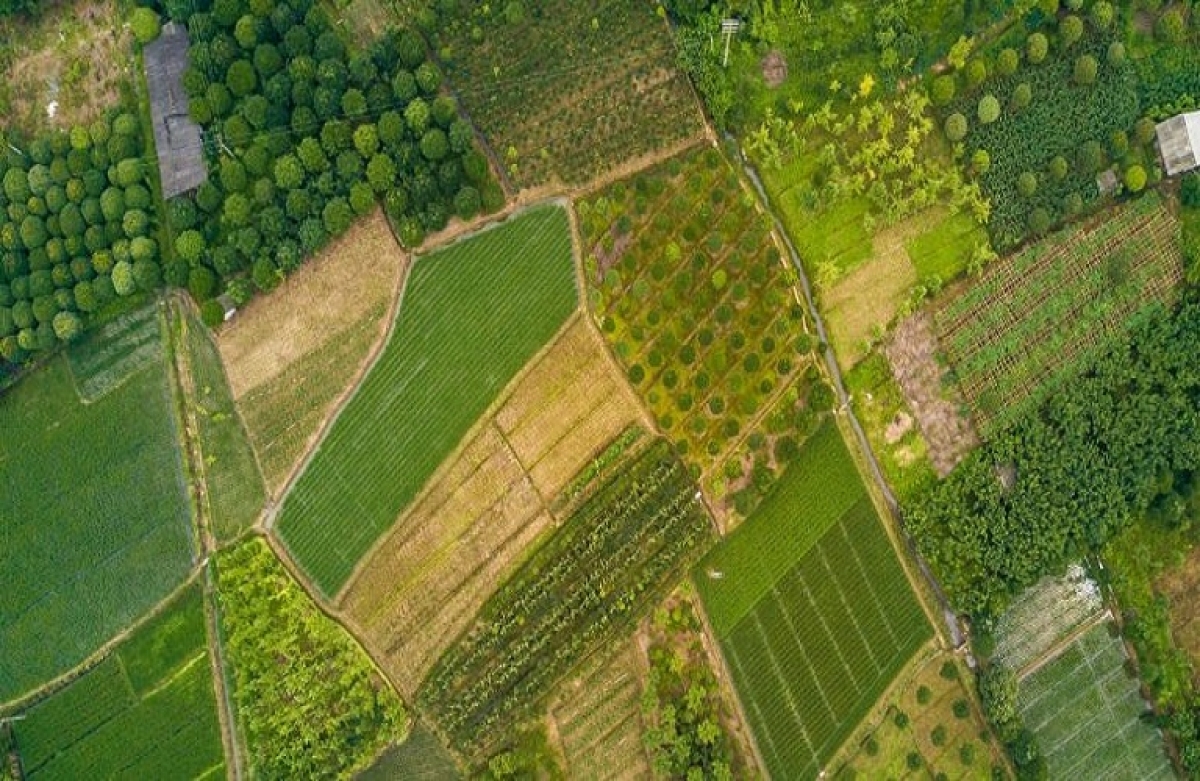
x: 486, y: 506
x: 774, y: 69
x: 947, y: 429
x: 76, y: 54
x: 291, y: 355
x: 1181, y: 586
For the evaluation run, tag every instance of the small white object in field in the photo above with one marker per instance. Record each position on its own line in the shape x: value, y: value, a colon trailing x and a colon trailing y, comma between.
x: 52, y: 108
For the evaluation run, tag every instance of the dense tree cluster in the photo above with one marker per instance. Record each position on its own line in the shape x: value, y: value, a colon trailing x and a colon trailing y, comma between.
x: 310, y: 136
x: 1105, y: 449
x: 76, y: 231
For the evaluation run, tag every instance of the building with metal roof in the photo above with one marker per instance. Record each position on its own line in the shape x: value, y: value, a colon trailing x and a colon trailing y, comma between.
x: 1179, y: 142
x: 176, y: 137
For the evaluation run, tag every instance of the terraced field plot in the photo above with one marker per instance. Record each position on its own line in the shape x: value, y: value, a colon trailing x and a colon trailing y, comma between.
x: 472, y: 315
x: 599, y: 720
x: 584, y: 588
x: 97, y: 525
x: 147, y: 711
x: 418, y: 590
x: 1035, y: 317
x: 687, y: 284
x: 814, y: 631
x: 233, y: 486
x: 290, y: 355
x: 569, y: 90
x: 1085, y: 713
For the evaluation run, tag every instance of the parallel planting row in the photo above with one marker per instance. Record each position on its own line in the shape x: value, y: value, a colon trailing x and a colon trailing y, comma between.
x: 1033, y: 319
x: 95, y: 508
x: 586, y: 586
x: 146, y: 711
x: 812, y: 608
x: 687, y: 285
x: 472, y: 315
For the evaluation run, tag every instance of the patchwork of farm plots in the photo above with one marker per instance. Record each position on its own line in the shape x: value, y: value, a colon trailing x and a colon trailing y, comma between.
x: 599, y: 720
x: 233, y: 486
x: 309, y: 701
x: 97, y: 525
x: 569, y: 90
x: 418, y: 590
x: 1085, y: 712
x: 147, y: 711
x: 588, y: 584
x: 472, y: 315
x: 687, y: 285
x: 290, y: 355
x: 814, y: 630
x: 1032, y: 319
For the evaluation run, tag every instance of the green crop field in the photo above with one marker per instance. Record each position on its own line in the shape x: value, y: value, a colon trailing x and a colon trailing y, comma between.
x: 1085, y: 713
x: 1031, y: 320
x: 590, y: 583
x: 815, y: 629
x: 420, y: 758
x: 309, y: 702
x: 147, y: 711
x: 97, y: 525
x: 472, y: 315
x: 233, y: 484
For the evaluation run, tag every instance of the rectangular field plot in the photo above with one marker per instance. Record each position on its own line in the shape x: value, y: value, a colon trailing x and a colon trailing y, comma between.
x: 599, y: 719
x: 817, y: 651
x: 482, y: 511
x: 585, y: 587
x: 147, y: 711
x: 572, y: 89
x: 1045, y: 614
x: 1085, y: 713
x: 809, y: 498
x: 1033, y: 317
x: 419, y: 758
x: 95, y: 514
x: 472, y: 315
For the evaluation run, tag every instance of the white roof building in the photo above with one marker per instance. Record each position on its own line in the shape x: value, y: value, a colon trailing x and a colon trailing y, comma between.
x: 1179, y: 142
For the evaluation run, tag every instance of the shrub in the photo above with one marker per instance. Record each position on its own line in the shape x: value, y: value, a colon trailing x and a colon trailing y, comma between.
x: 202, y: 283
x: 1022, y: 96
x: 1171, y: 26
x: 961, y: 709
x: 989, y: 109
x: 938, y: 736
x: 949, y: 671
x: 1143, y: 131
x: 212, y: 313
x: 1073, y: 204
x: 956, y: 127
x: 67, y: 326
x: 924, y: 695
x: 1036, y: 48
x: 1135, y: 178
x: 1027, y: 184
x: 1039, y: 221
x: 943, y: 90
x: 1103, y: 14
x: 145, y: 25
x: 981, y: 161
x: 1059, y: 168
x: 1070, y: 30
x: 1085, y: 70
x: 241, y: 78
x: 900, y: 719
x: 1091, y: 157
x: 1007, y: 62
x: 190, y: 245
x: 976, y: 73
x: 913, y: 760
x: 966, y: 753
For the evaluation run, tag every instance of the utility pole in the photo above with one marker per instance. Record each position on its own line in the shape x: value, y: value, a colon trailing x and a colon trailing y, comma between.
x: 729, y: 28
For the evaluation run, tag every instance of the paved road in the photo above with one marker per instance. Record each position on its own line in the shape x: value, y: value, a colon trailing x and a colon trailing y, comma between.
x: 835, y: 374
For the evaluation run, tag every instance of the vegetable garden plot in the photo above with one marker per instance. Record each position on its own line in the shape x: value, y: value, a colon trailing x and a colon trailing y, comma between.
x: 147, y: 711
x: 1086, y: 714
x: 1034, y: 318
x: 816, y: 652
x: 585, y: 587
x: 95, y: 512
x: 687, y: 285
x: 567, y: 91
x: 472, y: 315
x: 1044, y: 614
x: 419, y: 758
x: 115, y: 353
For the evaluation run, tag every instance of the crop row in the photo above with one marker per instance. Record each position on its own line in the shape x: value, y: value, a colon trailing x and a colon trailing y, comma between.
x: 472, y: 316
x: 590, y: 581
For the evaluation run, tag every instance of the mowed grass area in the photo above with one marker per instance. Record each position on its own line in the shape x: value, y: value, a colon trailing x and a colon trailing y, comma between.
x: 472, y: 315
x: 95, y: 514
x: 233, y: 485
x: 484, y: 509
x: 812, y: 608
x: 598, y: 719
x: 1034, y: 318
x: 1085, y: 712
x: 147, y: 711
x: 290, y: 355
x: 419, y: 758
